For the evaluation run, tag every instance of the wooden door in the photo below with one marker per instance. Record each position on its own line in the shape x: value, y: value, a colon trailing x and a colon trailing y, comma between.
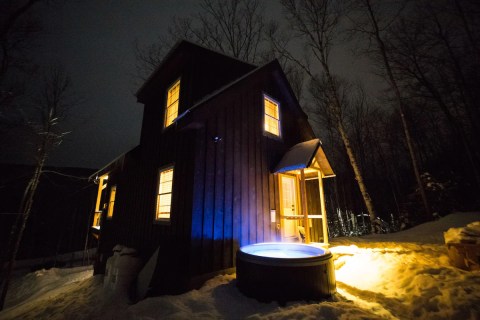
x: 289, y: 207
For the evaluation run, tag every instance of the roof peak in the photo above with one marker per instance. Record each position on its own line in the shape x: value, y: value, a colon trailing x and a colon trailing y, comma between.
x: 175, y: 48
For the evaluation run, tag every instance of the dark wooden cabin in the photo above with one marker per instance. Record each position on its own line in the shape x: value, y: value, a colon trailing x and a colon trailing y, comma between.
x: 226, y: 158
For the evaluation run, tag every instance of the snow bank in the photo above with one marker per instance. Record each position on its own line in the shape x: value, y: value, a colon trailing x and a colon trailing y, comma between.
x: 405, y: 275
x: 45, y: 294
x: 429, y: 232
x: 468, y: 234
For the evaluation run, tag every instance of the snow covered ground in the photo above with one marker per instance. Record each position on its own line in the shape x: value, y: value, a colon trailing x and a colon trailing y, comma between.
x: 405, y: 275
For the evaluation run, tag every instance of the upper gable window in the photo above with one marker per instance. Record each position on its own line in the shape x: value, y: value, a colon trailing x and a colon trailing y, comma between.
x: 171, y: 109
x: 272, y: 116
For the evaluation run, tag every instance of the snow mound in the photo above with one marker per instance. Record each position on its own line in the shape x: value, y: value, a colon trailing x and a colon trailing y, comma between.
x: 406, y: 275
x: 468, y: 234
x: 429, y: 232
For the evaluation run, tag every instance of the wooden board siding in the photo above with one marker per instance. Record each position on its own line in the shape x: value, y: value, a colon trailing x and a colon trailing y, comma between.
x: 228, y: 245
x: 234, y: 189
x: 223, y: 189
x: 197, y: 202
x: 133, y: 223
x: 236, y: 168
x: 226, y: 172
x: 215, y: 70
x: 201, y: 72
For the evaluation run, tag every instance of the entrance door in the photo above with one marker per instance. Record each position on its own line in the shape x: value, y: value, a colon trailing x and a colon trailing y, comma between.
x: 289, y: 206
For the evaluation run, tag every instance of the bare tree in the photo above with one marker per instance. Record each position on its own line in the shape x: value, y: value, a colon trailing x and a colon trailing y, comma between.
x: 315, y: 23
x: 233, y: 27
x: 368, y: 25
x: 54, y: 98
x: 18, y: 32
x: 433, y: 57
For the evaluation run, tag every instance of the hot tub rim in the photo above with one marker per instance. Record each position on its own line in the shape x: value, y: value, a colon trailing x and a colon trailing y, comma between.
x: 281, y: 261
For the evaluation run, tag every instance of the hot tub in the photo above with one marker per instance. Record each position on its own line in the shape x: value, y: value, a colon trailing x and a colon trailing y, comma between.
x: 285, y: 272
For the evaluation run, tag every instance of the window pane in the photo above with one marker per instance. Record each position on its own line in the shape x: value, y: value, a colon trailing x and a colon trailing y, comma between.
x: 174, y: 92
x: 271, y: 109
x: 272, y: 121
x: 171, y: 109
x: 166, y: 176
x: 271, y: 125
x: 165, y: 187
x: 164, y: 198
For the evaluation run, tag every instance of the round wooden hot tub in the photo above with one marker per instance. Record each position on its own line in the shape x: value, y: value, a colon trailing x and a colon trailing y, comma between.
x: 285, y: 272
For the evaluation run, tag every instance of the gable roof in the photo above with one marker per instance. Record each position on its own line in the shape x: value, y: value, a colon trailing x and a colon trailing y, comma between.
x: 274, y: 64
x: 115, y: 163
x: 302, y: 156
x: 179, y: 47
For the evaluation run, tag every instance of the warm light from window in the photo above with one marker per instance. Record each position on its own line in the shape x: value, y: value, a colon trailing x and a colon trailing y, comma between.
x: 171, y: 110
x: 272, y: 119
x: 102, y: 184
x: 111, y: 202
x: 164, y: 198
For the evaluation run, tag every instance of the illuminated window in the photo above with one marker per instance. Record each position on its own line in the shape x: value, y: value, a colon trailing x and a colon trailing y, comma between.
x: 101, y: 200
x: 272, y: 117
x: 111, y: 202
x: 171, y: 110
x: 164, y: 197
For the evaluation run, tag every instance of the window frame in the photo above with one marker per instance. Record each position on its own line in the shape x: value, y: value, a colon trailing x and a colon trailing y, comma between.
x: 265, y: 115
x: 167, y: 105
x: 99, y: 204
x: 164, y: 219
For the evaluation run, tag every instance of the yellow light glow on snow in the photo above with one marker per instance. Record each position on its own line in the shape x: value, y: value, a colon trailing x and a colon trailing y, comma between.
x: 366, y: 268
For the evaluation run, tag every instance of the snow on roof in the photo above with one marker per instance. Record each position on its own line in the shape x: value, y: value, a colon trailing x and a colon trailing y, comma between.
x: 301, y: 156
x: 110, y: 165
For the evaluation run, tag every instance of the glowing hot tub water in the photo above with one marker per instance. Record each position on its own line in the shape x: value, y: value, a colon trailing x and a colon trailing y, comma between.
x: 285, y: 272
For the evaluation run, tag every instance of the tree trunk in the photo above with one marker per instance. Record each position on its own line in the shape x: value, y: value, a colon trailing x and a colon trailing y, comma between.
x: 358, y: 174
x: 455, y: 127
x: 26, y: 208
x: 401, y: 109
x: 51, y: 103
x: 336, y: 105
x: 316, y: 21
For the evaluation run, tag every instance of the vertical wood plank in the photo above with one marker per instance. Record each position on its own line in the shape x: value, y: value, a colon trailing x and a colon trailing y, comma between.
x: 265, y: 173
x: 273, y: 195
x: 198, y: 202
x: 237, y: 175
x: 209, y: 201
x: 303, y: 196
x: 228, y: 204
x: 244, y: 172
x: 322, y: 206
x: 252, y: 188
x: 259, y: 173
x: 219, y: 183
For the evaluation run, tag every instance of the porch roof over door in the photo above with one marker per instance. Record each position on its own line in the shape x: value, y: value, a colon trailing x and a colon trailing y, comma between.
x: 308, y: 154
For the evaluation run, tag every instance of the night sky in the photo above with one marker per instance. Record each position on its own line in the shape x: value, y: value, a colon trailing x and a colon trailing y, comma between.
x: 95, y: 41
